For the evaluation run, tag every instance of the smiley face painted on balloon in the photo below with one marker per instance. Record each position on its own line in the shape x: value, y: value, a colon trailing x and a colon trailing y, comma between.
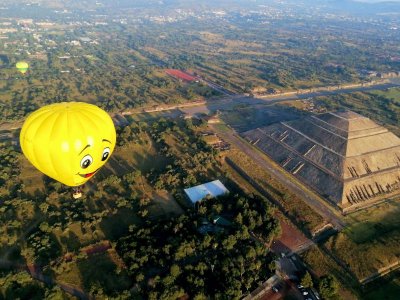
x: 93, y: 158
x: 68, y: 141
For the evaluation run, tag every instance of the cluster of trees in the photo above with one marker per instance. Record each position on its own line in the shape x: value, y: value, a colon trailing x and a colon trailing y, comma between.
x: 170, y: 259
x: 9, y: 170
x: 252, y: 214
x: 131, y: 133
x: 185, y: 168
x: 42, y: 246
x: 20, y: 285
x: 165, y: 258
x: 328, y: 286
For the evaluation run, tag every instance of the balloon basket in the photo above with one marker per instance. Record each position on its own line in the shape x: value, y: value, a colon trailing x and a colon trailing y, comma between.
x: 77, y: 193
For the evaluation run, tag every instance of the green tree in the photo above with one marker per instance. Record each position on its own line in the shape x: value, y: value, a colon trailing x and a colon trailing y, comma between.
x: 329, y: 287
x: 55, y: 294
x: 175, y: 270
x: 307, y: 281
x: 229, y: 242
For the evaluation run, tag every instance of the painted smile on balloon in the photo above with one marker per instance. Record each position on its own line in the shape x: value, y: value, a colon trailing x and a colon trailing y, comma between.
x: 88, y: 175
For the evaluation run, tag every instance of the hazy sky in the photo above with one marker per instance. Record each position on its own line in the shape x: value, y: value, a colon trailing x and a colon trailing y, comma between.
x: 375, y: 1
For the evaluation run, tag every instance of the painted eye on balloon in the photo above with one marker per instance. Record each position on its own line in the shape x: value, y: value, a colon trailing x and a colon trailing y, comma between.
x: 86, y: 161
x: 106, y: 154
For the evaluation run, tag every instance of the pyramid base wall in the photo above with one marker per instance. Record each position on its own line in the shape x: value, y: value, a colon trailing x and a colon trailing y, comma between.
x: 370, y: 203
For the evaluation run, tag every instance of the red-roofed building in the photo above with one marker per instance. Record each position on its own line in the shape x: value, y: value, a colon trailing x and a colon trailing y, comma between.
x: 178, y: 74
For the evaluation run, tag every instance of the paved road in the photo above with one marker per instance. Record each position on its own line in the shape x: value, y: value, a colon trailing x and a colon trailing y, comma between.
x: 379, y: 86
x: 322, y: 208
x: 232, y: 100
x: 286, y: 288
x: 216, y: 87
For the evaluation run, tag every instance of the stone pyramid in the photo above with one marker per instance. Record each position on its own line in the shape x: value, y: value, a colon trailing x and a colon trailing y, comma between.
x: 348, y: 159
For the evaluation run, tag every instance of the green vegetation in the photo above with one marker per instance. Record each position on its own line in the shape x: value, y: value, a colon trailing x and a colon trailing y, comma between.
x: 380, y: 106
x: 189, y: 255
x: 386, y: 288
x: 244, y: 117
x: 120, y: 65
x: 322, y: 265
x: 106, y: 278
x: 21, y: 285
x: 133, y: 198
x: 367, y: 246
x: 329, y: 288
x: 371, y: 242
x: 307, y: 281
x: 393, y: 93
x: 157, y: 247
x: 297, y: 209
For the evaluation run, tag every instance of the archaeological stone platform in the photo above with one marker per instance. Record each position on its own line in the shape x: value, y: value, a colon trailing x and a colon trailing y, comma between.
x: 346, y: 158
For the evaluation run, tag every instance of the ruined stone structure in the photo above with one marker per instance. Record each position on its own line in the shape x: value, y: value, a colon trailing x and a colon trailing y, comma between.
x: 348, y: 159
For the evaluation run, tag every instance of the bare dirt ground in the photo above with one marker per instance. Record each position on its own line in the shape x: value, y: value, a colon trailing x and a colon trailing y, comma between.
x: 291, y: 240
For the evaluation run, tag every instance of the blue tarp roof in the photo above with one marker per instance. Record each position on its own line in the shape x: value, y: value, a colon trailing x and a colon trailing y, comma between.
x: 212, y: 189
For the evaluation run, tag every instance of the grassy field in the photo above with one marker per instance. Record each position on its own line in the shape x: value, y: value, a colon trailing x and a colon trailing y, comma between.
x: 387, y: 289
x: 393, y: 93
x: 372, y: 240
x: 163, y: 204
x: 30, y: 176
x: 141, y: 156
x: 302, y: 214
x: 321, y: 265
x: 81, y: 274
x: 245, y: 117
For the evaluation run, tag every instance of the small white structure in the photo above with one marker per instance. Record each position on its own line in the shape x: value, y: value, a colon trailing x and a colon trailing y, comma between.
x: 211, y: 189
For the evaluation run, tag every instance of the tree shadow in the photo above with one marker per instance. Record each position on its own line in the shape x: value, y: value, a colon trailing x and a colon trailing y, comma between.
x: 116, y: 225
x: 278, y: 246
x: 71, y: 242
x: 24, y: 291
x: 100, y: 275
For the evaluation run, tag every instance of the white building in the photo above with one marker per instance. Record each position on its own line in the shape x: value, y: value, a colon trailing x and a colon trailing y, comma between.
x: 210, y: 190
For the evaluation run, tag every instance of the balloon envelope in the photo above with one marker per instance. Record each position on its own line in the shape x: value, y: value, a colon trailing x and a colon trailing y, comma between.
x: 22, y: 66
x: 68, y: 141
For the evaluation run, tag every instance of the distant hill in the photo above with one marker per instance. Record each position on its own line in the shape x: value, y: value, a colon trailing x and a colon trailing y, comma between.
x: 339, y: 7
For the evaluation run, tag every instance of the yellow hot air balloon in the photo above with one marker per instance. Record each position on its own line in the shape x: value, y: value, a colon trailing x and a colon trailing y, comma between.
x: 22, y: 66
x: 68, y: 141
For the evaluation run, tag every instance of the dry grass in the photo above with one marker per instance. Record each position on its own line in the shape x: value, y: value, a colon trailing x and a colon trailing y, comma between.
x: 296, y: 208
x: 98, y: 269
x: 163, y: 204
x: 372, y: 240
x: 30, y: 176
x: 322, y: 265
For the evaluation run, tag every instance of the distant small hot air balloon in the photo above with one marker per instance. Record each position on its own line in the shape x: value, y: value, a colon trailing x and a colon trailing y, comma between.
x: 22, y: 66
x: 68, y: 141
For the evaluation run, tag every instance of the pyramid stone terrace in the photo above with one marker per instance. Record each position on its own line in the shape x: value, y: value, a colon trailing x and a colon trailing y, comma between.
x: 346, y: 158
